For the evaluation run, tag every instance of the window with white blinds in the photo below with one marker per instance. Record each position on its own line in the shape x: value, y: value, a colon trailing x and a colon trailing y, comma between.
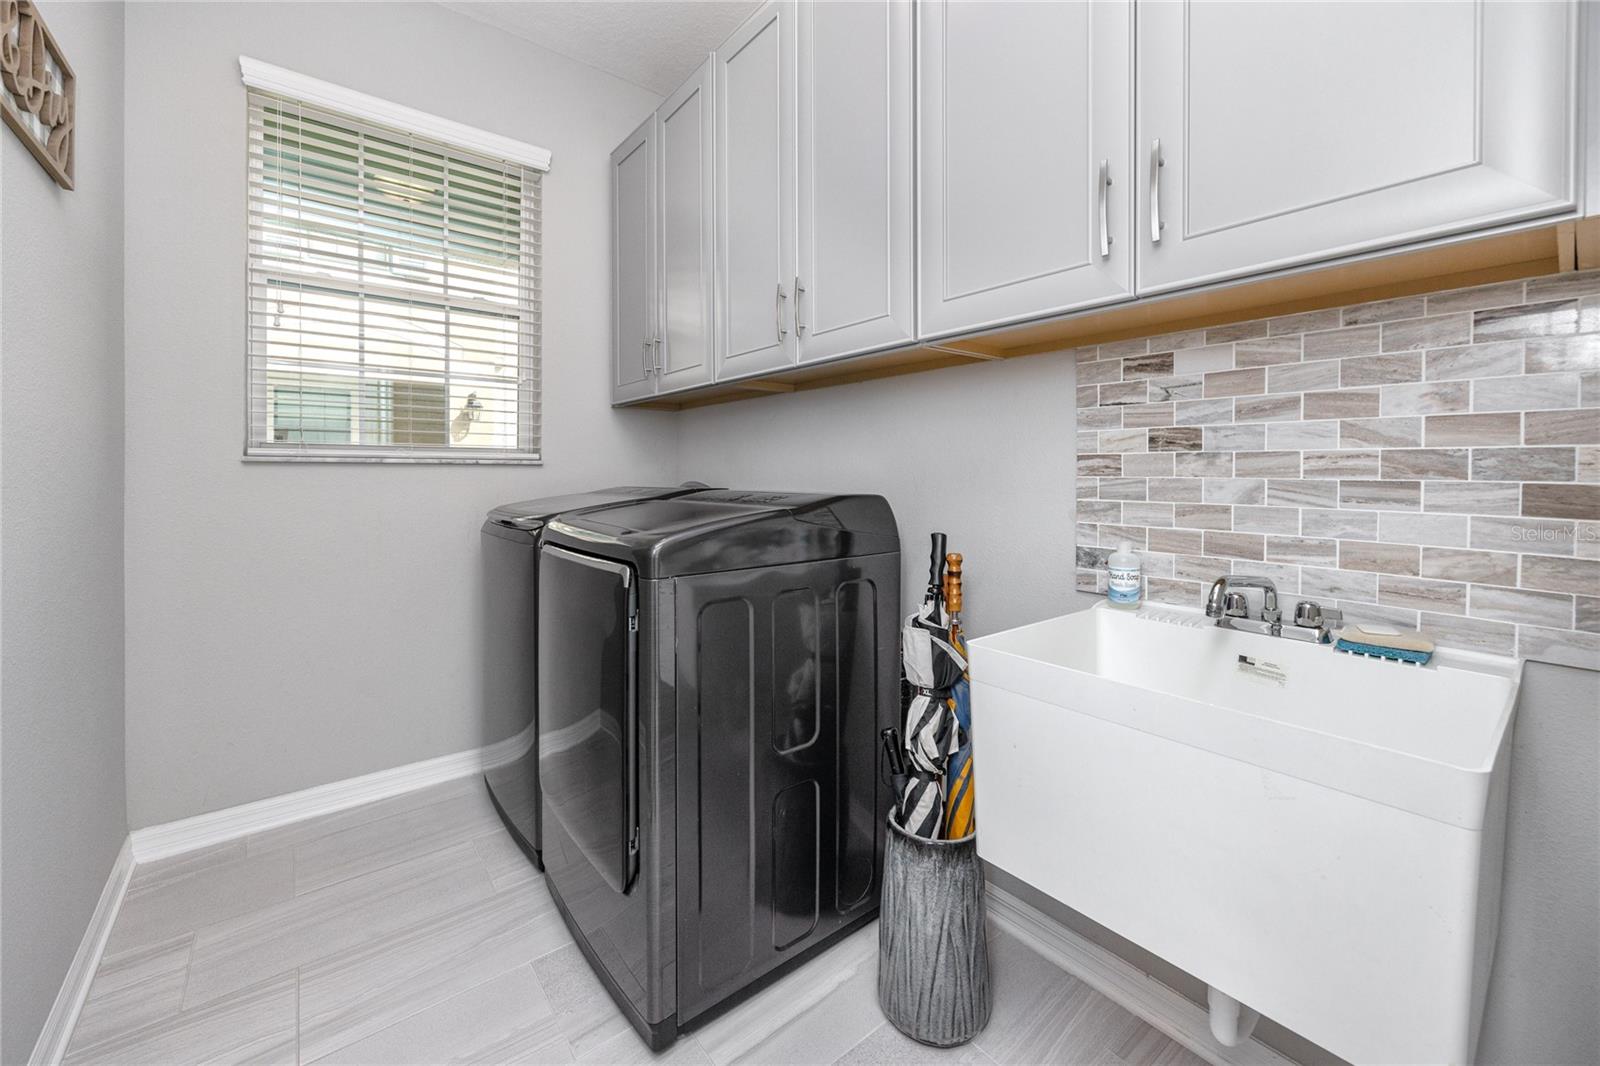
x: 393, y: 293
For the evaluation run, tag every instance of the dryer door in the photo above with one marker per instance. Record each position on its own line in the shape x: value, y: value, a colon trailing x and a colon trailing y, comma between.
x: 588, y: 710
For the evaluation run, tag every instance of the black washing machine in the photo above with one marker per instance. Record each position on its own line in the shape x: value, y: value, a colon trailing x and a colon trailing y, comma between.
x: 510, y: 540
x: 714, y: 670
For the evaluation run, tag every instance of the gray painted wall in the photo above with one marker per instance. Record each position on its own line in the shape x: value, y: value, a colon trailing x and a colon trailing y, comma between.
x: 291, y: 625
x: 62, y: 810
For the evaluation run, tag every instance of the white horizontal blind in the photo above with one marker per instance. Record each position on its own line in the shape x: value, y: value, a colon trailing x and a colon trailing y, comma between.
x: 393, y: 293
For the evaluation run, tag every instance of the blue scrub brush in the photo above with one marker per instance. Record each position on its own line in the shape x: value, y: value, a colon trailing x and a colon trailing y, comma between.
x: 1381, y: 642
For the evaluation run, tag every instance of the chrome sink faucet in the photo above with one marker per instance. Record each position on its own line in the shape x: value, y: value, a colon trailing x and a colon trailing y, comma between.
x: 1311, y: 622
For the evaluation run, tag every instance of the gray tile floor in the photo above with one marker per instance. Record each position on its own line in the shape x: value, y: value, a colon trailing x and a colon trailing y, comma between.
x: 413, y: 930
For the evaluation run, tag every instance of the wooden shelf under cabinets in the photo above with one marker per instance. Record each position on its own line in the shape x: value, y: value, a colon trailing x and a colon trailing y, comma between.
x: 1573, y: 245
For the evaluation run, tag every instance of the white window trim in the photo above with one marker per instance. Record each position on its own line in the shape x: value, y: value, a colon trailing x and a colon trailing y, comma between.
x: 268, y: 78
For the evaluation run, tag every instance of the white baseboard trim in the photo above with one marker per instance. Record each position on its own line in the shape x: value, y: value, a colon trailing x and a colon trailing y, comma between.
x: 216, y: 827
x: 53, y: 1038
x: 1122, y: 983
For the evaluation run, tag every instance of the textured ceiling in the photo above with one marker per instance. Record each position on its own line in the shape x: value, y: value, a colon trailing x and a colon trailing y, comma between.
x: 653, y: 43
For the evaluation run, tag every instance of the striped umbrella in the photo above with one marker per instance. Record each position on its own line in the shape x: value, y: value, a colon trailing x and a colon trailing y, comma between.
x: 934, y: 663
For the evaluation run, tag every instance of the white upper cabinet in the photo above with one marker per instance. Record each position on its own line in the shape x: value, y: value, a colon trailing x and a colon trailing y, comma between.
x: 686, y: 162
x: 1278, y: 134
x: 855, y: 291
x: 633, y: 275
x: 755, y: 195
x: 1025, y: 120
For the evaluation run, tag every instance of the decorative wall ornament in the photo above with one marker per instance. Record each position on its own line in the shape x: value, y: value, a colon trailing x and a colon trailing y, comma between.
x: 39, y: 97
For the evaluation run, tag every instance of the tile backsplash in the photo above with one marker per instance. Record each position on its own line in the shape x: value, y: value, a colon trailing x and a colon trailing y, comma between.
x: 1427, y: 462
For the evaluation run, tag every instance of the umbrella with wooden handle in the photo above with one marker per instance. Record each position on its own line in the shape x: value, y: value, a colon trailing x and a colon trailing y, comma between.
x: 958, y: 821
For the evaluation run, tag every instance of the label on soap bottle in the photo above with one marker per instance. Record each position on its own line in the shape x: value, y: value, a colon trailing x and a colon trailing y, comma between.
x: 1123, y: 585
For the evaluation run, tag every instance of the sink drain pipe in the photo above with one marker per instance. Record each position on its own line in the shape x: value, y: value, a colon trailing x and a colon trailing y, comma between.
x: 1231, y: 1021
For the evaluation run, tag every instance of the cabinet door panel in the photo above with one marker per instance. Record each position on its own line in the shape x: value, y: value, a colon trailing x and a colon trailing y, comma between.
x: 857, y: 189
x: 1019, y: 105
x: 755, y: 258
x: 633, y: 275
x: 1406, y: 120
x: 686, y: 162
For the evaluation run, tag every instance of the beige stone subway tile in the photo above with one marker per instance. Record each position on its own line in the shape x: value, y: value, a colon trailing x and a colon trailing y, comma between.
x: 1099, y: 418
x: 1267, y: 351
x: 1303, y: 551
x: 1257, y: 519
x: 1088, y: 442
x: 1485, y: 430
x: 1473, y: 497
x: 1360, y: 612
x: 1202, y: 412
x: 1174, y: 439
x: 1527, y: 392
x: 1338, y: 524
x: 1236, y: 331
x: 1124, y: 392
x: 1588, y: 465
x: 1524, y: 535
x: 1563, y: 354
x: 1099, y: 373
x: 1427, y: 398
x: 1234, y: 545
x: 1339, y: 343
x: 1122, y: 440
x: 1380, y: 432
x: 1305, y: 322
x: 1462, y: 564
x: 1589, y: 389
x: 1577, y: 426
x: 1447, y: 464
x: 1147, y: 366
x: 1589, y: 314
x: 1200, y: 568
x: 1236, y: 383
x: 1147, y: 464
x: 1088, y: 487
x: 1144, y: 415
x: 1123, y: 349
x: 1587, y: 537
x: 1171, y: 342
x: 1379, y: 558
x: 1135, y: 513
x: 1341, y: 464
x: 1523, y: 464
x: 1380, y: 370
x: 1177, y: 541
x: 1327, y: 584
x: 1549, y: 319
x: 1586, y: 612
x: 1555, y: 573
x: 1202, y: 516
x: 1099, y: 465
x: 1087, y: 354
x: 1381, y: 495
x: 1250, y: 438
x: 1560, y: 646
x: 1295, y: 436
x: 1495, y: 359
x: 1155, y: 564
x: 1088, y: 395
x: 1471, y: 634
x: 1564, y: 286
x: 1176, y: 489
x: 1578, y: 501
x: 1087, y: 532
x: 1090, y: 581
x: 1385, y: 311
x: 1177, y: 593
x: 1341, y: 403
x: 1405, y: 527
x: 1123, y: 488
x: 1113, y: 536
x: 1276, y: 408
x: 1214, y: 358
x: 1099, y: 511
x: 1422, y: 594
x: 1176, y: 388
x: 1268, y: 464
x: 1203, y: 464
x: 1521, y: 606
x: 1500, y: 294
x: 1303, y: 377
x: 1234, y: 490
x: 1303, y: 492
x: 1284, y: 576
x: 1434, y: 331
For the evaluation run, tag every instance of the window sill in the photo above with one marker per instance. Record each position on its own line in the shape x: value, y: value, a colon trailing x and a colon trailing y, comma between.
x: 396, y: 460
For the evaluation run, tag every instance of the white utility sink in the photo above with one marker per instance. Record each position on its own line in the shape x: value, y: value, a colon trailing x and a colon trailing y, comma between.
x: 1315, y: 835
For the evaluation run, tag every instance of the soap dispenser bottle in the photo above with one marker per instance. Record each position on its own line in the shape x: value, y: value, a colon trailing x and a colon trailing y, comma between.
x: 1124, y: 587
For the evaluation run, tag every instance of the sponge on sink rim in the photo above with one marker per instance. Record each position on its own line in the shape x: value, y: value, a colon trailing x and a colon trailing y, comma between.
x: 1379, y: 637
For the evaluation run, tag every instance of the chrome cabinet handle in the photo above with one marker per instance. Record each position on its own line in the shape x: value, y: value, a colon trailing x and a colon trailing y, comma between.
x: 778, y: 310
x: 1105, y: 218
x: 799, y: 298
x: 1156, y: 163
x: 656, y: 344
x: 644, y: 355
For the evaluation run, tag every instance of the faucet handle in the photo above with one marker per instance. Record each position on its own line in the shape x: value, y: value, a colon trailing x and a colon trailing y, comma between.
x: 1308, y: 613
x: 1236, y: 606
